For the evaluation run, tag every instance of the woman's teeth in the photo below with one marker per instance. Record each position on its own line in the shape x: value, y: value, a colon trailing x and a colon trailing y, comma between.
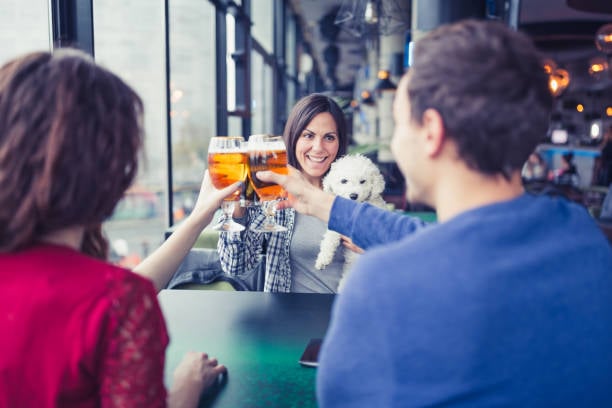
x: 316, y: 159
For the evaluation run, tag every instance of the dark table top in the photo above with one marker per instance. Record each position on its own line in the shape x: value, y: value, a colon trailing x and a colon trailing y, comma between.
x: 258, y: 336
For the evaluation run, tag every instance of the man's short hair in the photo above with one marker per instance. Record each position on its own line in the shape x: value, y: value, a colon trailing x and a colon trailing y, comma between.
x: 488, y: 84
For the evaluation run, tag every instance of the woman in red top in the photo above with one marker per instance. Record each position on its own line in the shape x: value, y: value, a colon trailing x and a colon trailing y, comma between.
x: 76, y: 330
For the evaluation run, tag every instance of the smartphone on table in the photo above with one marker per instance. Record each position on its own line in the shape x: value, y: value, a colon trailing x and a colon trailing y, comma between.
x: 310, y: 356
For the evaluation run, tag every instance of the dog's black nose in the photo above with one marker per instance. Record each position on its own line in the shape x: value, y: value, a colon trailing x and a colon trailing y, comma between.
x: 353, y: 196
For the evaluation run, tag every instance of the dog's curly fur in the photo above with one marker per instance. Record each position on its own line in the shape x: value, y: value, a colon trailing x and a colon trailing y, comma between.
x: 357, y: 178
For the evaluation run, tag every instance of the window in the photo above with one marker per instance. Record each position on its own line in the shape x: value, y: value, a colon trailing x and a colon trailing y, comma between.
x: 291, y: 61
x: 130, y: 41
x: 234, y: 126
x: 290, y: 46
x: 261, y: 95
x: 25, y: 27
x: 230, y: 36
x: 262, y: 15
x: 192, y: 97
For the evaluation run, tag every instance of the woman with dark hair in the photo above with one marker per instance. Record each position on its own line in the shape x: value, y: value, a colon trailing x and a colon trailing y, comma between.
x: 315, y: 111
x: 315, y: 135
x: 78, y: 330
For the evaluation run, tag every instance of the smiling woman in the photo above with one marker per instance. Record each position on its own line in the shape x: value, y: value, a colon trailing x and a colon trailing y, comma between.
x: 315, y: 117
x: 317, y: 147
x: 315, y: 135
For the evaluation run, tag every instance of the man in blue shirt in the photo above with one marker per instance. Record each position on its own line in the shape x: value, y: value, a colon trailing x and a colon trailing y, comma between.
x: 507, y: 301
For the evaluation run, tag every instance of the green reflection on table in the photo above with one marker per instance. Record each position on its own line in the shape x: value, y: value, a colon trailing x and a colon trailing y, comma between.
x: 258, y: 336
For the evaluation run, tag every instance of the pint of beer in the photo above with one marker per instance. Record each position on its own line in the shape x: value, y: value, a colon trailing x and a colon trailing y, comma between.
x: 267, y: 153
x: 227, y: 162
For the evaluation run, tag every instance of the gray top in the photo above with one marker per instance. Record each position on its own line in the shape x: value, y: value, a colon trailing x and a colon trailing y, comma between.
x: 307, y: 235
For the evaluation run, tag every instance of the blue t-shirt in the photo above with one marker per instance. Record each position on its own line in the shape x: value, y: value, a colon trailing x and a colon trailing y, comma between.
x: 509, y: 304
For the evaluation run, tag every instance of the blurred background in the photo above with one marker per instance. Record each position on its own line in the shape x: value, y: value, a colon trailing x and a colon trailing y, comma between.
x: 220, y: 67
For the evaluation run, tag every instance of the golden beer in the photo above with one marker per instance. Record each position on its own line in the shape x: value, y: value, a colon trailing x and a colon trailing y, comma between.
x: 227, y: 168
x: 274, y: 160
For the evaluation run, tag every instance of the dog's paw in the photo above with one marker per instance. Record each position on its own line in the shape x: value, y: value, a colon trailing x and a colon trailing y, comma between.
x: 322, y: 262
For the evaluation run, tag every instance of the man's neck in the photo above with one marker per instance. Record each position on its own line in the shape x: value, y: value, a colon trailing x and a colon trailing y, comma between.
x: 469, y: 190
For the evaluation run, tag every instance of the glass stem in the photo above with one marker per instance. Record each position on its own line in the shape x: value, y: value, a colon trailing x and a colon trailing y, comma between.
x: 269, y: 211
x: 228, y: 211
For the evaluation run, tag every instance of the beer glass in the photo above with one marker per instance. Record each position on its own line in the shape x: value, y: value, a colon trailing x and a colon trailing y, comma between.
x: 267, y: 152
x: 227, y: 164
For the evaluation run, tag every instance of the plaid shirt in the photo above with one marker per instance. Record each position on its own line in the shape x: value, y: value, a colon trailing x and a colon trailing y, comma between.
x: 240, y: 252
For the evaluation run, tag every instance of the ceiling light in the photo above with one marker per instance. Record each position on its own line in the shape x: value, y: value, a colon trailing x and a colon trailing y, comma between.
x: 558, y: 81
x: 595, y: 129
x: 366, y: 98
x: 549, y: 66
x: 384, y: 81
x: 597, y: 66
x: 603, y: 39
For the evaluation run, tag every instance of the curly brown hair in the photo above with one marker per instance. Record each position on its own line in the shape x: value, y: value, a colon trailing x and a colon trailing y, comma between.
x: 70, y: 135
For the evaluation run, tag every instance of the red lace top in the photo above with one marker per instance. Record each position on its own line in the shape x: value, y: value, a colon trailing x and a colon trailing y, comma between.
x: 76, y: 331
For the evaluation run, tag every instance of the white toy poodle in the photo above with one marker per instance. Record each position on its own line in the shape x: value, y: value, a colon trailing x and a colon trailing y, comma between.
x: 357, y: 178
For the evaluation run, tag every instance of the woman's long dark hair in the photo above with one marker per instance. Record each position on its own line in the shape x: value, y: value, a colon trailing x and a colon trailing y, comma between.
x: 70, y: 135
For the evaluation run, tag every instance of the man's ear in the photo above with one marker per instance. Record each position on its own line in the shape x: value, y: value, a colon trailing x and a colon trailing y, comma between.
x: 434, y: 128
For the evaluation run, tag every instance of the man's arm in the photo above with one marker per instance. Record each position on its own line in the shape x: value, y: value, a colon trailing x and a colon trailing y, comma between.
x: 368, y: 225
x: 365, y: 224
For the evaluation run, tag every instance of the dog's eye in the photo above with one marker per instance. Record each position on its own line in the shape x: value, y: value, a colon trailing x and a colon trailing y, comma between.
x: 343, y: 181
x: 362, y: 181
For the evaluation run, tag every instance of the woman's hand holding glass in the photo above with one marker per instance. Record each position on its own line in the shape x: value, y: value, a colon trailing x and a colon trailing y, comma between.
x: 210, y: 199
x: 267, y: 152
x: 227, y: 164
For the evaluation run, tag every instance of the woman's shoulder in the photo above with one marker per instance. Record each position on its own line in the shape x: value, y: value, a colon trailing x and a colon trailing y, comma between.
x: 123, y: 292
x: 125, y: 281
x: 73, y: 281
x: 76, y: 269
